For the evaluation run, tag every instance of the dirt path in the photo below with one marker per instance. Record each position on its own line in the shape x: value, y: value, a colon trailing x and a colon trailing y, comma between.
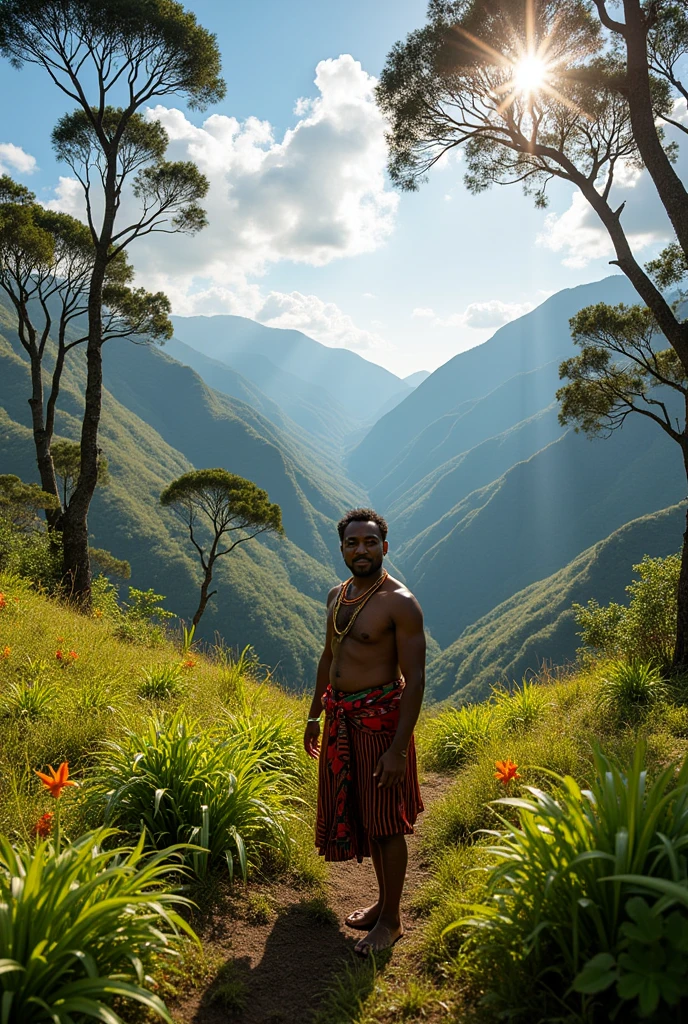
x: 275, y: 970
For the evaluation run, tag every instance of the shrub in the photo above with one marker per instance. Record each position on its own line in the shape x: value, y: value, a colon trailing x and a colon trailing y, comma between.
x: 521, y: 708
x: 160, y: 682
x: 646, y: 629
x: 79, y: 929
x: 188, y: 783
x: 454, y: 736
x: 560, y: 891
x: 271, y: 738
x: 628, y: 689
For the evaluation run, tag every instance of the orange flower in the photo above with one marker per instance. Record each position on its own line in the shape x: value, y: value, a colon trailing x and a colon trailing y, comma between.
x: 44, y: 825
x: 6, y: 651
x: 3, y: 601
x: 58, y: 654
x: 506, y: 771
x: 189, y: 663
x: 57, y: 780
x: 73, y: 655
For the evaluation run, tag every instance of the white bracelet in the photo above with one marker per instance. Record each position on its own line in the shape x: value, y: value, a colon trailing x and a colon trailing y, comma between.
x: 309, y: 720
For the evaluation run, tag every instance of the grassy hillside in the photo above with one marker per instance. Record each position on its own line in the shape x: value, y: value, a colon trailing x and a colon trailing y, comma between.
x: 270, y: 594
x: 536, y: 625
x: 536, y: 518
x: 533, y: 340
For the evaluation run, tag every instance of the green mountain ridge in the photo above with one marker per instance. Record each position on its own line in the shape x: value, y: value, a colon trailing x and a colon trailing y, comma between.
x: 536, y: 625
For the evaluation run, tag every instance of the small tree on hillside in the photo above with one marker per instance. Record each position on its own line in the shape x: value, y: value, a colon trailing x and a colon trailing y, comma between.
x: 46, y: 261
x: 100, y: 52
x: 535, y: 90
x: 67, y: 461
x: 230, y: 507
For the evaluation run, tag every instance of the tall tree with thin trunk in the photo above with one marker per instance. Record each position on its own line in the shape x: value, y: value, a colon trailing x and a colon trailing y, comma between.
x: 101, y: 53
x: 46, y: 261
x: 536, y: 90
x: 227, y: 509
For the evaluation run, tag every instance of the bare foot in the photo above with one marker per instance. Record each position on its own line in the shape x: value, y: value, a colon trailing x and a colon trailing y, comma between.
x: 364, y: 918
x: 382, y: 936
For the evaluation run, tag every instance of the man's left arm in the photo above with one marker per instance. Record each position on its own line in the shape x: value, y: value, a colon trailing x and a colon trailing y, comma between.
x: 411, y: 653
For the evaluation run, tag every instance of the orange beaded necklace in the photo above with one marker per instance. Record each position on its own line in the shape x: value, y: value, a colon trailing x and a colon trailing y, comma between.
x: 361, y: 601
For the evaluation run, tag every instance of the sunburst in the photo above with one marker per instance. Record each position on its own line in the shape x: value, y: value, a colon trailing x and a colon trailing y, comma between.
x: 531, y: 69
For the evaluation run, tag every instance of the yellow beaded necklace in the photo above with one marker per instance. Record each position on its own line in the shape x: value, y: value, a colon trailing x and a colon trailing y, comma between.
x: 339, y: 634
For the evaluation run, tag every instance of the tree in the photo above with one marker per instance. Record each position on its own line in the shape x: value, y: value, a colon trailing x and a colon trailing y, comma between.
x: 230, y: 506
x: 98, y: 51
x: 46, y: 260
x: 541, y: 89
x: 20, y: 503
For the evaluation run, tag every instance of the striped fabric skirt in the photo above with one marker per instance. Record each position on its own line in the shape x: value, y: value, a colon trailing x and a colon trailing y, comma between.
x: 352, y: 809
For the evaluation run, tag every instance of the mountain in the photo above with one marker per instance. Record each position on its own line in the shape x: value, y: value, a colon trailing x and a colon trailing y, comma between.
x: 284, y: 398
x: 536, y: 625
x: 357, y: 388
x: 414, y: 379
x: 534, y: 340
x: 536, y: 518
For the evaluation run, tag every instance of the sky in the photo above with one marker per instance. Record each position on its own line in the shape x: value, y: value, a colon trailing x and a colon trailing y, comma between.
x: 305, y: 229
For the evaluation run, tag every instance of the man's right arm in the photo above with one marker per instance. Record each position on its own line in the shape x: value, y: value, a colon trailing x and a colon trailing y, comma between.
x: 312, y: 732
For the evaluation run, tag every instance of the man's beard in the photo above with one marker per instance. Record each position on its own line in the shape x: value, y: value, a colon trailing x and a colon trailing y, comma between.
x: 366, y: 570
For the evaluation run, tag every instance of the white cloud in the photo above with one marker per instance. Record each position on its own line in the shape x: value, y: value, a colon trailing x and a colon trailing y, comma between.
x: 580, y: 237
x: 69, y: 198
x: 479, y: 315
x: 15, y: 158
x: 323, y: 321
x: 317, y: 194
x: 423, y: 312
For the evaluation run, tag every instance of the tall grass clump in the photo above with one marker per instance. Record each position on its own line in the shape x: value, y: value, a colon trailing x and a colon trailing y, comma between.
x: 160, y: 682
x: 191, y: 784
x: 563, y: 891
x: 629, y: 689
x: 81, y: 929
x: 453, y: 737
x: 522, y: 708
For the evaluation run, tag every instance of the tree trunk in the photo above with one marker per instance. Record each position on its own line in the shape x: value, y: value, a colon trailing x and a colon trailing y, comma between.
x: 680, y: 663
x: 76, y: 563
x: 670, y: 188
x: 42, y: 438
x: 205, y: 596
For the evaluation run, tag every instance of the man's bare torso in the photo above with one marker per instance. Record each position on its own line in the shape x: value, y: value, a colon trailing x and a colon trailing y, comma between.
x: 367, y: 656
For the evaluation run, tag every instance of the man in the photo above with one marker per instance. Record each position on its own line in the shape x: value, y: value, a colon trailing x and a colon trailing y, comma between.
x: 370, y: 682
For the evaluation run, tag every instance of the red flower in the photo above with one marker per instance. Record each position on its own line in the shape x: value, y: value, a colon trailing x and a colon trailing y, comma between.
x: 58, y: 654
x: 73, y: 655
x: 43, y: 826
x: 3, y: 601
x: 506, y: 771
x: 57, y: 780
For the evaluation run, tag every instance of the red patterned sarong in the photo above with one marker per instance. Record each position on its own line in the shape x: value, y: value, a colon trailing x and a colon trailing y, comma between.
x: 352, y: 809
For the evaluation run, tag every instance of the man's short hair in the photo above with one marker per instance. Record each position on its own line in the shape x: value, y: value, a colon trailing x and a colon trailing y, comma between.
x: 361, y: 515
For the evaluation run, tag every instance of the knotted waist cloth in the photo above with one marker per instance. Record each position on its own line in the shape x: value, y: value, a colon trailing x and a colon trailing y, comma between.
x: 352, y: 809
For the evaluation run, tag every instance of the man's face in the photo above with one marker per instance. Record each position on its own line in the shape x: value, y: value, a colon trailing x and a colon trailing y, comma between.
x: 363, y: 548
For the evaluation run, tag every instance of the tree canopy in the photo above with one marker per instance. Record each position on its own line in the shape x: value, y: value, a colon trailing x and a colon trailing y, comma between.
x: 220, y: 504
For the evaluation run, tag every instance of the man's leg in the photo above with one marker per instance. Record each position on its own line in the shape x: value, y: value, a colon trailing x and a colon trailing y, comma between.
x: 367, y: 916
x: 393, y: 857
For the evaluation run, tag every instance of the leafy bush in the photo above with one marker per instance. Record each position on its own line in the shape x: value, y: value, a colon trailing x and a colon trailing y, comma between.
x: 454, y: 736
x: 79, y: 929
x: 521, y: 708
x: 559, y: 893
x: 270, y: 737
x: 628, y: 689
x: 187, y: 783
x: 142, y: 618
x: 160, y: 682
x: 646, y: 629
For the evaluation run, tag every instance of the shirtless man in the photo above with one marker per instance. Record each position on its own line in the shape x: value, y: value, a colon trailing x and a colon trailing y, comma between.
x: 370, y: 682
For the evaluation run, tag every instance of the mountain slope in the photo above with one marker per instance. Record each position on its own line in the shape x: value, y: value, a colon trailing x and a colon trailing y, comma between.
x: 541, y: 336
x: 358, y: 386
x: 536, y: 518
x: 453, y: 434
x: 536, y: 625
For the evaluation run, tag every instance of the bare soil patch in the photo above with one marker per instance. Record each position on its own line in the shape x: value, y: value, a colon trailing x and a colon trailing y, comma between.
x: 279, y: 968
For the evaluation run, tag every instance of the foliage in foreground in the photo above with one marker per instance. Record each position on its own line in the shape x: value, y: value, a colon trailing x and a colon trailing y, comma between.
x: 557, y: 896
x: 83, y: 928
x: 206, y: 786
